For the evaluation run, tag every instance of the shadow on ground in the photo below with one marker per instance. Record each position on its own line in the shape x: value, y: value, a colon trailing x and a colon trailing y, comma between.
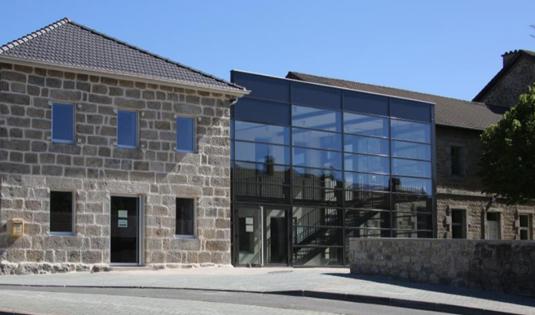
x: 475, y: 293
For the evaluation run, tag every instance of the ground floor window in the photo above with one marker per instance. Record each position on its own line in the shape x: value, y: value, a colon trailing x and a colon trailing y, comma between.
x: 526, y: 226
x: 185, y: 213
x: 61, y: 212
x: 458, y: 223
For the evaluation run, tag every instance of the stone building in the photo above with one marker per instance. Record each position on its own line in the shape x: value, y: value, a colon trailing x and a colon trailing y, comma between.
x: 110, y: 154
x: 462, y: 211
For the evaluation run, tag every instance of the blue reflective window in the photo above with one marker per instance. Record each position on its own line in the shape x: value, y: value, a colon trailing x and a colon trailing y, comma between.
x: 411, y: 131
x: 266, y: 112
x: 411, y: 150
x: 411, y: 168
x: 412, y: 185
x: 317, y: 158
x: 317, y: 96
x: 333, y: 175
x: 63, y: 123
x: 261, y: 153
x: 263, y: 87
x: 366, y: 163
x: 261, y: 133
x: 308, y: 117
x: 365, y: 125
x: 365, y: 103
x: 317, y: 139
x: 185, y: 134
x: 360, y: 144
x: 410, y: 109
x: 358, y: 181
x: 127, y: 129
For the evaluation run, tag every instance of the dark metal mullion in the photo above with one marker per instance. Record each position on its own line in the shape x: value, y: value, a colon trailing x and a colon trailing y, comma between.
x: 390, y: 195
x: 343, y: 194
x: 291, y: 190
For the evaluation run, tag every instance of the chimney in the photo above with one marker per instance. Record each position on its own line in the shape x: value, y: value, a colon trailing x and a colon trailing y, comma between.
x: 509, y: 57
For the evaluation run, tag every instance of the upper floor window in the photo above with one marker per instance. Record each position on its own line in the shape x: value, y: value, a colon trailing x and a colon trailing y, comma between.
x: 127, y: 129
x: 63, y: 123
x: 457, y: 161
x: 61, y: 212
x: 185, y: 134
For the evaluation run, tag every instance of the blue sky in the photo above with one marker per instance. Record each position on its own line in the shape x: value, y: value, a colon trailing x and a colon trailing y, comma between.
x: 449, y: 48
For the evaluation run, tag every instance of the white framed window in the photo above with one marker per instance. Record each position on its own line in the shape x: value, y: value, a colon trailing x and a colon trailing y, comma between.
x: 525, y: 226
x: 493, y: 225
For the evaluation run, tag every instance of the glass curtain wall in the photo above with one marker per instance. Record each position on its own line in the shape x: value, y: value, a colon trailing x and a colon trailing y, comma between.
x: 344, y: 164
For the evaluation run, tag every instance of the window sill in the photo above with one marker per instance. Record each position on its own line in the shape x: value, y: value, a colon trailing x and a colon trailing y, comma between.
x: 184, y: 151
x: 124, y: 147
x: 185, y: 237
x: 62, y: 234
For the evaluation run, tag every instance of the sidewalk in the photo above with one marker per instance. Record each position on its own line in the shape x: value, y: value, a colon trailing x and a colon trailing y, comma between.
x: 334, y: 283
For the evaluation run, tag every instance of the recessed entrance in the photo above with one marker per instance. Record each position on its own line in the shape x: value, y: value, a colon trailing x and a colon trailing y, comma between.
x: 125, y: 232
x: 263, y: 236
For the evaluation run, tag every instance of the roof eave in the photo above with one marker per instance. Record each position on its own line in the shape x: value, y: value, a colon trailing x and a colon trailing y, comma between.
x: 124, y: 75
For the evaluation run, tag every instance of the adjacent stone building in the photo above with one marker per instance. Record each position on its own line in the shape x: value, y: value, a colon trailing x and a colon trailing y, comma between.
x: 109, y: 154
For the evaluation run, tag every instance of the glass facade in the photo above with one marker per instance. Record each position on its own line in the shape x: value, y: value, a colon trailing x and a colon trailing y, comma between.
x: 313, y: 165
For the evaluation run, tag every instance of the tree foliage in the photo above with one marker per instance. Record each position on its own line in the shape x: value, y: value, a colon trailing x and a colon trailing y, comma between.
x: 507, y: 165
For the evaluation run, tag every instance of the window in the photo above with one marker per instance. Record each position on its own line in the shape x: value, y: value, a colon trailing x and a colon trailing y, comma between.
x: 261, y: 133
x: 525, y: 227
x: 316, y: 139
x: 493, y: 227
x: 63, y: 123
x: 308, y: 117
x: 261, y: 153
x: 411, y: 150
x: 457, y: 165
x: 410, y: 131
x: 184, y: 216
x: 458, y: 223
x: 365, y: 125
x: 61, y: 212
x: 127, y: 125
x: 185, y: 134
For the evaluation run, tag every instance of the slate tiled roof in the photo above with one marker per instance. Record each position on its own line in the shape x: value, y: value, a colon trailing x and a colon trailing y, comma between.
x: 448, y: 111
x: 68, y: 44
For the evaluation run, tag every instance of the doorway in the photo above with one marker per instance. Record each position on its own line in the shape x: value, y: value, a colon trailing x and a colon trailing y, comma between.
x: 262, y: 236
x: 125, y: 230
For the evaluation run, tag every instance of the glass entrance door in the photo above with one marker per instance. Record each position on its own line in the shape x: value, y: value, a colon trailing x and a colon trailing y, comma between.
x: 262, y: 236
x: 124, y: 230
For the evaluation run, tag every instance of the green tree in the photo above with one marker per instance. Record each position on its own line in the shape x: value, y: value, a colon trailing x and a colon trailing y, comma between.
x: 507, y: 165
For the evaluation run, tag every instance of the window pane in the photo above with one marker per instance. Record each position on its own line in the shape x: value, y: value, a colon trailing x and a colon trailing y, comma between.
x: 365, y: 103
x: 367, y: 219
x: 367, y: 199
x: 127, y: 129
x: 410, y: 109
x: 365, y: 125
x: 185, y: 134
x: 308, y: 117
x: 263, y: 87
x: 411, y: 131
x: 61, y: 211
x: 411, y: 150
x: 261, y: 180
x: 317, y: 139
x: 412, y: 203
x: 412, y: 185
x: 271, y: 113
x: 261, y: 133
x: 411, y: 168
x: 263, y: 153
x: 358, y: 181
x: 317, y: 158
x: 317, y: 96
x: 309, y: 216
x: 366, y: 163
x: 63, y: 123
x: 359, y: 144
x: 184, y: 216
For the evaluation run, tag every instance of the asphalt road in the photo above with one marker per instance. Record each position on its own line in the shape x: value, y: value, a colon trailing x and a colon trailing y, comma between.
x: 92, y: 301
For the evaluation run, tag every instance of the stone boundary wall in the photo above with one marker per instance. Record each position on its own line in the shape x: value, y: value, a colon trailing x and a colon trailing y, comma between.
x: 507, y: 266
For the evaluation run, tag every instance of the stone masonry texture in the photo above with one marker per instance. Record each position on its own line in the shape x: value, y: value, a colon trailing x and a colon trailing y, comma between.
x: 505, y: 266
x: 95, y: 169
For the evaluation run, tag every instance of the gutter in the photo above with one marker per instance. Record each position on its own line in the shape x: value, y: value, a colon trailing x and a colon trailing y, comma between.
x: 121, y: 75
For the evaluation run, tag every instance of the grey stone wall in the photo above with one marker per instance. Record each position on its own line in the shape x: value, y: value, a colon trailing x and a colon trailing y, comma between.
x: 513, y: 83
x: 464, y: 192
x: 95, y: 169
x: 496, y: 265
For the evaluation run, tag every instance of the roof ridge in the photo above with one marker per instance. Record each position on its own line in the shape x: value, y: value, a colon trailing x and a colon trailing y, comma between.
x: 34, y: 34
x: 153, y: 54
x: 389, y: 87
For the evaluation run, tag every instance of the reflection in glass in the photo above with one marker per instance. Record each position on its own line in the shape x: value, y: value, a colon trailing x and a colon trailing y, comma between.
x: 412, y: 203
x: 411, y: 131
x: 317, y: 139
x: 360, y: 144
x: 312, y: 216
x: 366, y: 163
x: 261, y: 180
x: 360, y: 181
x: 315, y: 118
x: 412, y: 185
x: 263, y: 153
x: 317, y: 184
x: 404, y: 167
x: 411, y: 150
x: 317, y: 158
x: 261, y: 133
x: 367, y: 200
x: 367, y: 219
x: 365, y: 125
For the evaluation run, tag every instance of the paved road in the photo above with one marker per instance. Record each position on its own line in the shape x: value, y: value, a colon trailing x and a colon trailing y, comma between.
x: 93, y: 301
